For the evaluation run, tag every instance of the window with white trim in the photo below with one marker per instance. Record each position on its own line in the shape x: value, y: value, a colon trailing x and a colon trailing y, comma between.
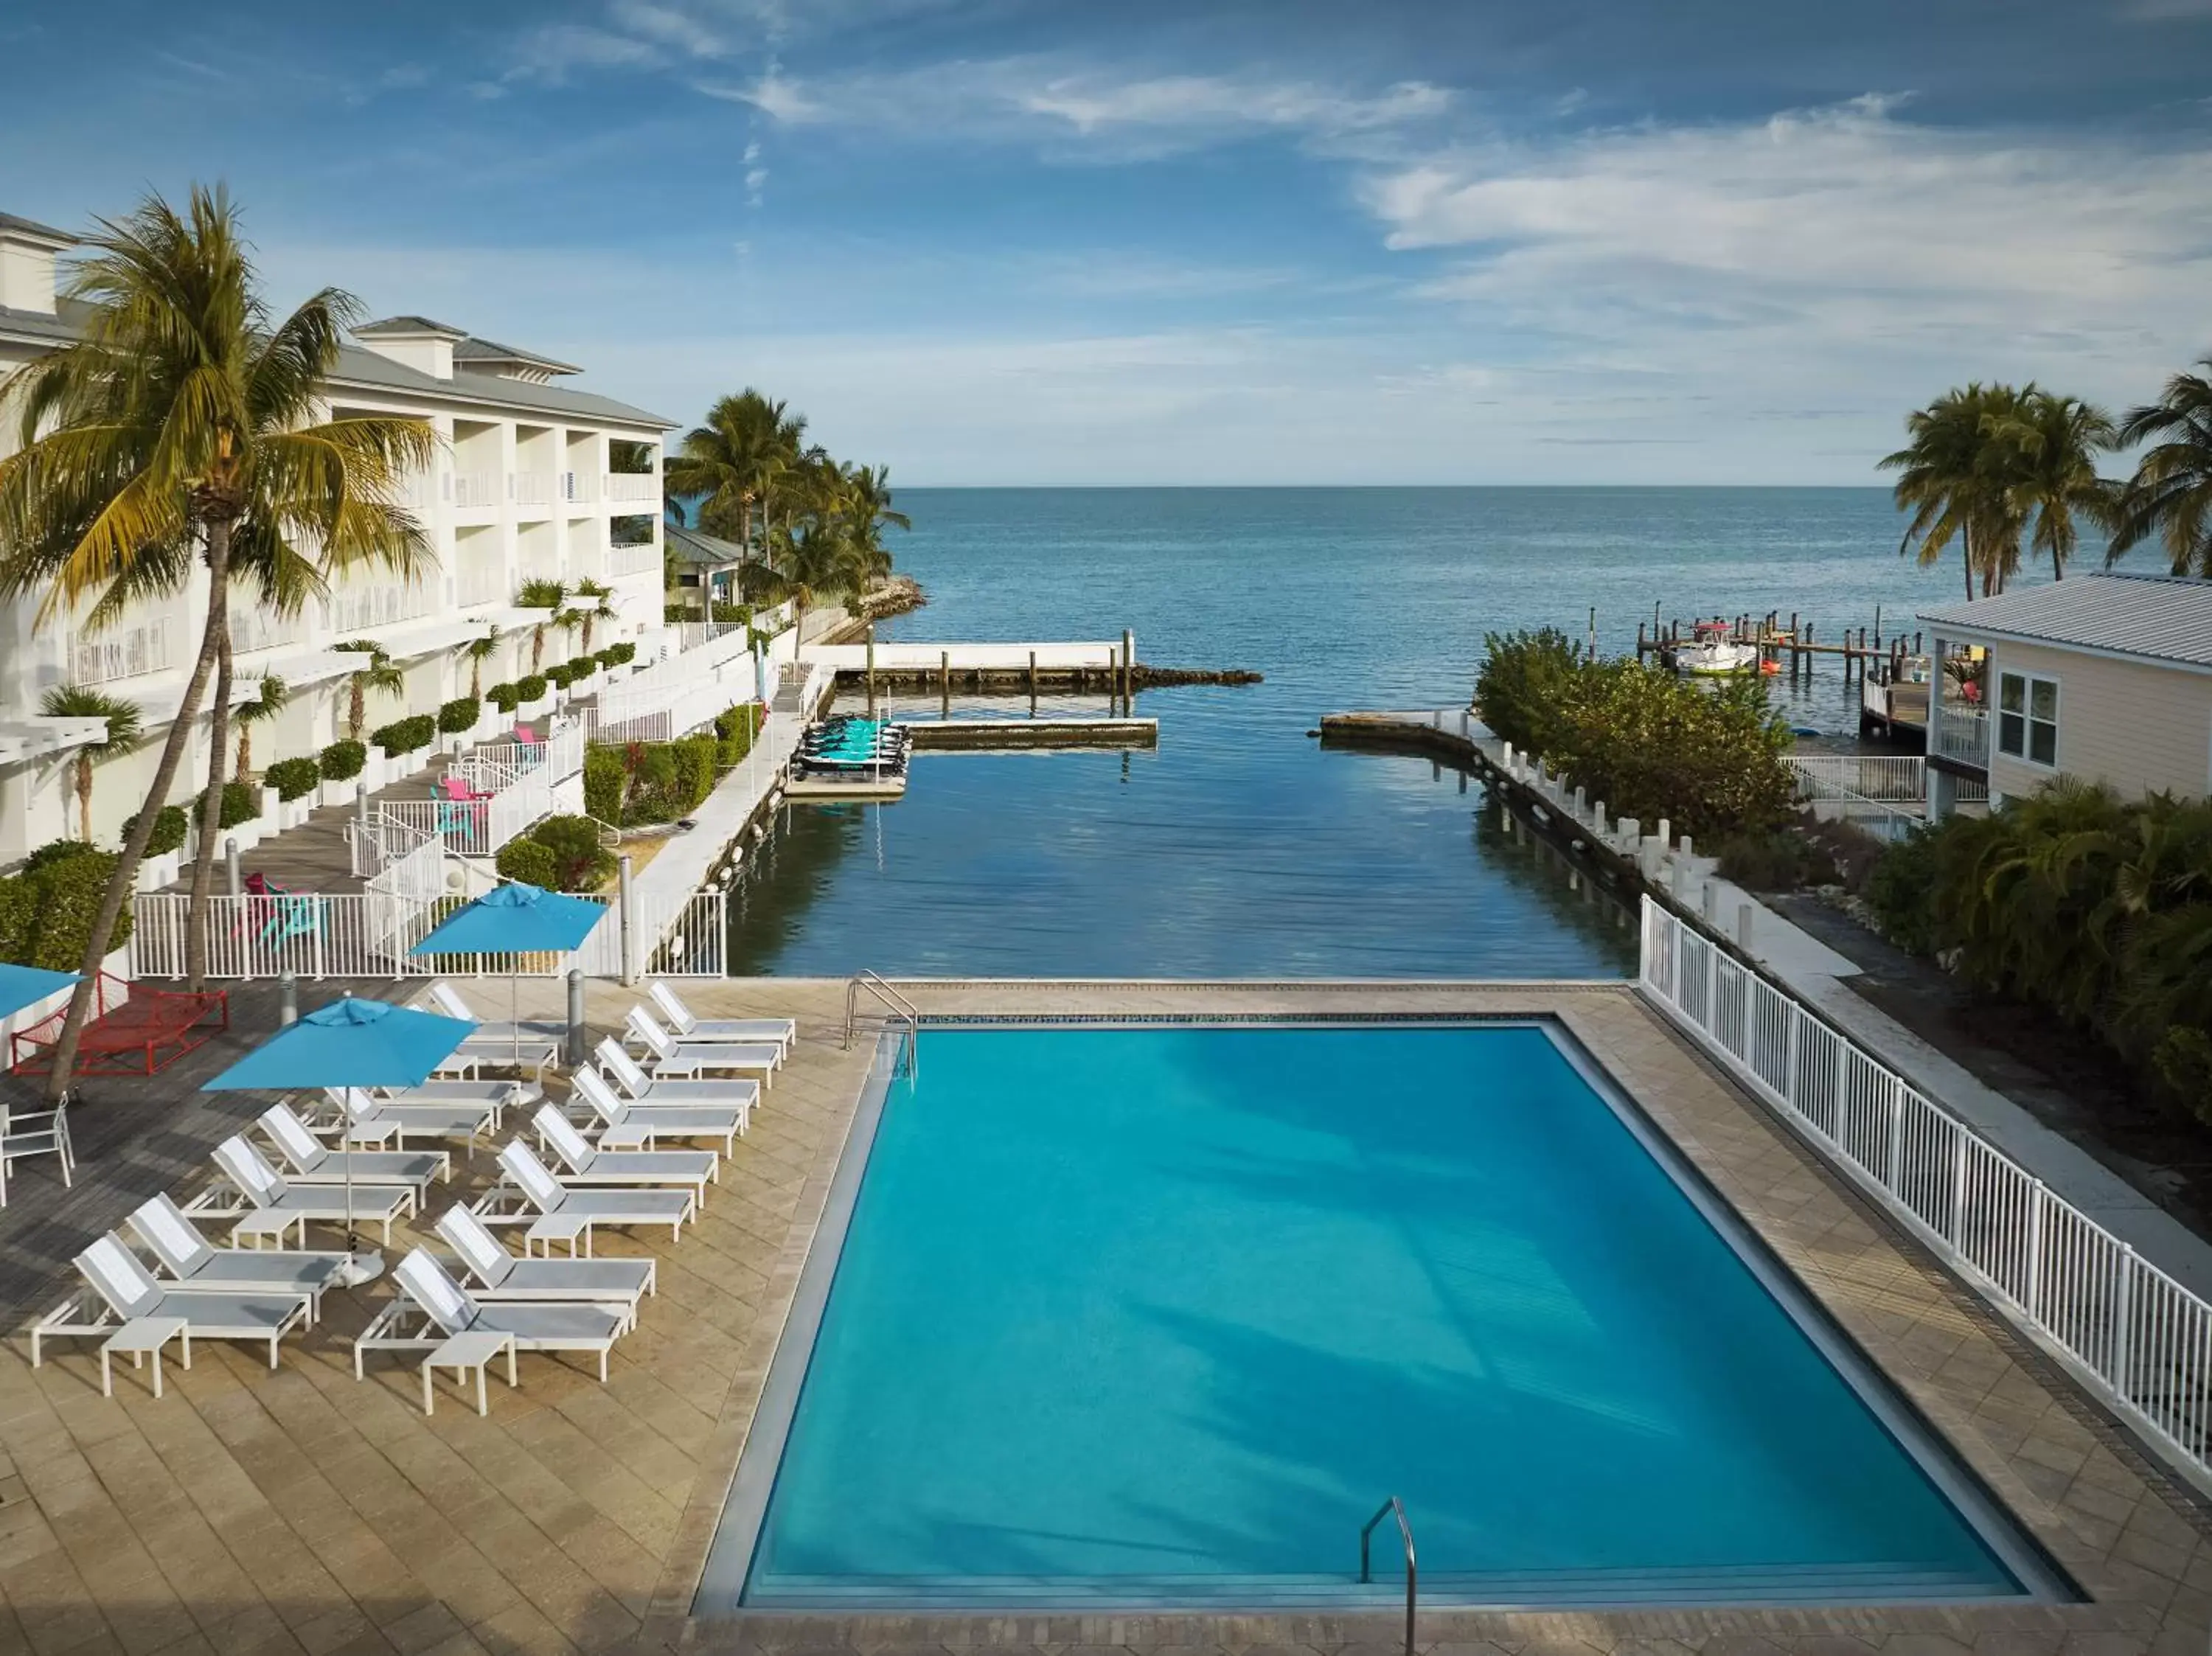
x: 2028, y: 718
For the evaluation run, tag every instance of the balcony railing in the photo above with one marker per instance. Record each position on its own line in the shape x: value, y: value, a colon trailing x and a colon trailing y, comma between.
x: 642, y: 559
x: 124, y: 653
x: 578, y: 488
x: 355, y: 609
x: 633, y: 486
x: 262, y: 629
x: 476, y: 489
x: 532, y: 487
x: 480, y: 580
x: 1963, y: 734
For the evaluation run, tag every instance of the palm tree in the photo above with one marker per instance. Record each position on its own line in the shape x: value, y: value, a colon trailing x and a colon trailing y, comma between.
x: 2171, y: 494
x: 480, y: 650
x: 866, y: 508
x: 2051, y: 468
x: 1951, y: 479
x: 123, y: 734
x: 729, y: 461
x: 380, y: 674
x: 596, y: 608
x: 180, y: 414
x: 270, y: 694
x: 539, y: 593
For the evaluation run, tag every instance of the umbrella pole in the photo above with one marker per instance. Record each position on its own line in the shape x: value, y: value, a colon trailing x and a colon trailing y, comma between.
x: 514, y: 1014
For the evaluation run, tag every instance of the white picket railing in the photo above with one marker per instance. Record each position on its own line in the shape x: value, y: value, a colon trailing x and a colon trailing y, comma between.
x: 2136, y: 1337
x: 1870, y: 775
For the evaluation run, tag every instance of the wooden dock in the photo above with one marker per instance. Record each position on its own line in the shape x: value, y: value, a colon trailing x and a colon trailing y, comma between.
x: 1791, y: 643
x: 1017, y: 735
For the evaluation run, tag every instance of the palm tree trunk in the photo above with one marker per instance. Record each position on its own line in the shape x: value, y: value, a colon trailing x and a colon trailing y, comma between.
x: 134, y: 846
x: 196, y: 920
x: 1966, y: 551
x: 85, y: 792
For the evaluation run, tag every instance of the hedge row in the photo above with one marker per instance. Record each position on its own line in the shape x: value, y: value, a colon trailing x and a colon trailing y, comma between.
x: 405, y: 735
x: 47, y: 912
x: 646, y: 782
x: 561, y: 853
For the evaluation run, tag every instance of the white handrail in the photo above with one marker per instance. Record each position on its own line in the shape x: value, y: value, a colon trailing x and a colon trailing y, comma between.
x: 2133, y: 1335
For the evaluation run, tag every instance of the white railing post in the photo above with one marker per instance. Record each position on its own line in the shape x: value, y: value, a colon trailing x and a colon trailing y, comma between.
x: 2032, y: 1288
x: 1790, y: 1055
x: 2122, y: 1341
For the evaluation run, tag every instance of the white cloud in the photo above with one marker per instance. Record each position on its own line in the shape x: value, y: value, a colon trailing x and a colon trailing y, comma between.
x: 1093, y: 103
x: 1842, y: 247
x: 771, y: 93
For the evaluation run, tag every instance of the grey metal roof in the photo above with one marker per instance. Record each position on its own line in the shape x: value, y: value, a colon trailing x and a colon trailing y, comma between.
x: 690, y: 546
x: 32, y: 228
x: 473, y: 350
x: 2158, y: 617
x: 409, y: 327
x: 359, y: 367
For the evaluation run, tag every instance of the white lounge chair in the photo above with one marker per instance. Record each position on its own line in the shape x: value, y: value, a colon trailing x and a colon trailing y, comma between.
x: 364, y: 1114
x: 526, y: 1045
x: 504, y: 1276
x: 530, y: 1191
x: 431, y: 1307
x: 311, y: 1161
x: 266, y: 1193
x: 588, y: 1167
x: 780, y: 1032
x: 179, y: 1249
x: 673, y: 1058
x: 35, y: 1133
x: 653, y: 1091
x: 127, y: 1292
x: 641, y: 1126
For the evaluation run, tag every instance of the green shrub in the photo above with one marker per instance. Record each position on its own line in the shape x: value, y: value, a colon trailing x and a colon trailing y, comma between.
x: 525, y: 860
x: 293, y: 779
x: 1901, y: 890
x: 619, y: 655
x: 241, y: 803
x: 1524, y: 680
x: 47, y: 915
x: 531, y: 687
x: 740, y: 614
x: 505, y: 697
x: 343, y: 761
x: 1774, y: 860
x: 459, y: 716
x: 171, y: 827
x: 559, y: 673
x: 405, y: 735
x: 573, y: 843
x: 605, y: 778
x: 582, y: 666
x: 735, y: 729
x: 1648, y: 744
x: 56, y: 850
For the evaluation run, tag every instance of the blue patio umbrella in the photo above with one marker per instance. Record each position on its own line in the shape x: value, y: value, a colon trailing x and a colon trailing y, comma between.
x: 515, y: 919
x: 22, y: 986
x: 349, y: 1043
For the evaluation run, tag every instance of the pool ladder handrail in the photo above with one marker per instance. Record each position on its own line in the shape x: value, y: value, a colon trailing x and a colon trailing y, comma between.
x: 902, y: 1011
x: 1395, y: 1508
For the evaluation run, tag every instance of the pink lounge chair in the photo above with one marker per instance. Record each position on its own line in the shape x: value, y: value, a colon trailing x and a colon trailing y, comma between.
x: 458, y: 791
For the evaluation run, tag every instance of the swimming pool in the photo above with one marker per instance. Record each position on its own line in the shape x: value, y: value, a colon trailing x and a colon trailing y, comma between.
x: 1158, y: 1314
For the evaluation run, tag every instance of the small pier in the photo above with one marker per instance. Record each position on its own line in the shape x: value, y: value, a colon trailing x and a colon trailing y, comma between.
x: 1893, y: 693
x: 1021, y: 735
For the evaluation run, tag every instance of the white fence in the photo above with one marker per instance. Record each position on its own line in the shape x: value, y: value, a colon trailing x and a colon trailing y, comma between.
x: 2136, y: 1337
x: 1870, y: 775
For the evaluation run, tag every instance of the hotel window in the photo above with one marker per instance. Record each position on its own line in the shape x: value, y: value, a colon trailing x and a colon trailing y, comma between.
x: 2028, y: 718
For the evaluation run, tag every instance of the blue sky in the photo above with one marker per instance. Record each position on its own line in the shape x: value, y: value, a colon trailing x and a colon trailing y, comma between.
x: 999, y: 242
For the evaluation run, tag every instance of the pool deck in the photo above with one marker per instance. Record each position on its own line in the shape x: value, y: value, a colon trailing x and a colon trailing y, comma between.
x: 252, y: 1511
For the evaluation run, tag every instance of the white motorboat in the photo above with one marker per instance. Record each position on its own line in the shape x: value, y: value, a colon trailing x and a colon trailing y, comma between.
x: 1716, y: 658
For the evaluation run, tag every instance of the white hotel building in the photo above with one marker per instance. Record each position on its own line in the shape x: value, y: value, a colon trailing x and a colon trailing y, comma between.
x: 524, y: 486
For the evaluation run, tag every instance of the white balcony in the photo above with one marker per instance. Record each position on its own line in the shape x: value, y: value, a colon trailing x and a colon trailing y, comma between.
x: 254, y: 628
x: 578, y: 488
x: 532, y: 488
x: 633, y: 488
x: 358, y: 609
x: 1963, y: 734
x: 643, y: 559
x: 477, y: 488
x: 480, y: 580
x: 120, y: 653
x: 417, y: 492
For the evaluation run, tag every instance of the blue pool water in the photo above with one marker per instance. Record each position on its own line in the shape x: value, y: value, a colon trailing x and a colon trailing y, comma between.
x: 1162, y: 1314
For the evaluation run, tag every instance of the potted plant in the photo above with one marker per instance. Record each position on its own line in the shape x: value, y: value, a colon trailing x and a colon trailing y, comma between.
x: 342, y: 765
x: 295, y: 783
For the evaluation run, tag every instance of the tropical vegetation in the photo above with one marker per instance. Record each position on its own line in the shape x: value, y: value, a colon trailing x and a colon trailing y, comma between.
x: 122, y: 732
x: 820, y: 522
x: 1648, y: 744
x: 2170, y: 496
x: 561, y: 853
x: 179, y: 429
x: 270, y: 694
x: 2096, y: 909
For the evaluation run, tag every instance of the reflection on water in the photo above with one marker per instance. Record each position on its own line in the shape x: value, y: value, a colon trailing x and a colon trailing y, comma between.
x: 1232, y: 851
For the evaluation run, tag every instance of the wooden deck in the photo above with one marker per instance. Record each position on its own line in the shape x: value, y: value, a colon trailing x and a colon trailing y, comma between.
x: 314, y: 856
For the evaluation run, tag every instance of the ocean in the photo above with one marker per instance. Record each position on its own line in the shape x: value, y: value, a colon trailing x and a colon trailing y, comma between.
x: 1239, y: 848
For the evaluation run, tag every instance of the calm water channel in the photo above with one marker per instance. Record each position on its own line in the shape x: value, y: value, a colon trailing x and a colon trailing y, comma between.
x: 1239, y: 848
